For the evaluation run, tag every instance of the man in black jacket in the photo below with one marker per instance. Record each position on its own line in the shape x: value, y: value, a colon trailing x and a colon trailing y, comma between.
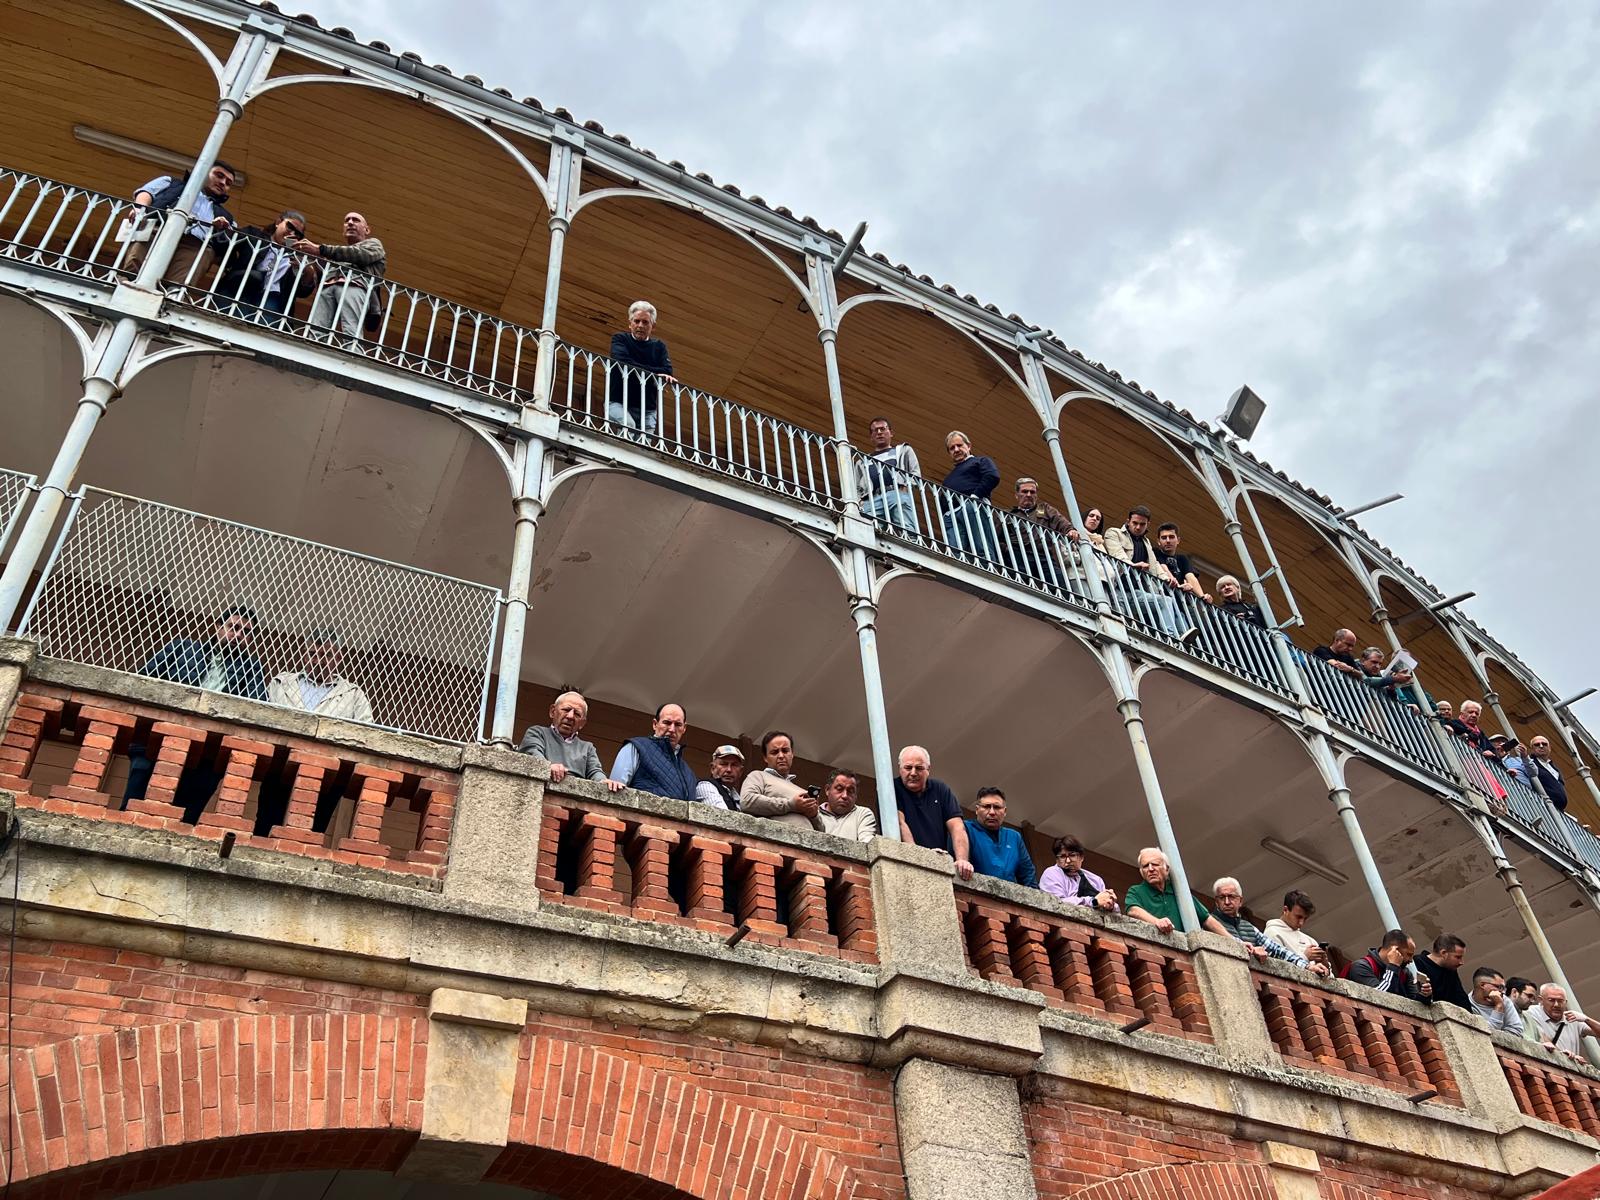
x: 1442, y: 966
x: 259, y: 271
x: 640, y: 363
x: 1387, y: 968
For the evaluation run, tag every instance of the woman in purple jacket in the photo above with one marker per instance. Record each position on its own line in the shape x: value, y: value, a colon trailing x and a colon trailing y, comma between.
x: 1068, y: 881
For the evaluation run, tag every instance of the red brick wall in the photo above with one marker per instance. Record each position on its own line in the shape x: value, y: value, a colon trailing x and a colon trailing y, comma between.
x: 1087, y: 1153
x: 126, y: 1060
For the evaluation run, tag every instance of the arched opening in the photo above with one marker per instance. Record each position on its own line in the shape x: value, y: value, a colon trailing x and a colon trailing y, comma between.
x: 1443, y: 671
x: 643, y: 595
x: 1528, y: 719
x: 736, y: 326
x: 476, y: 233
x: 44, y: 367
x: 928, y: 378
x: 1326, y: 591
x: 1117, y: 462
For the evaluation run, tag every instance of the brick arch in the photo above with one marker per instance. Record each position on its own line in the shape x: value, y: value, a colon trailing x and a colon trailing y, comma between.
x: 1187, y: 1181
x: 584, y: 1121
x: 103, y: 1114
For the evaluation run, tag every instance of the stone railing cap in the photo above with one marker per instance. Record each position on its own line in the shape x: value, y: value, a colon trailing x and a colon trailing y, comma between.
x: 1367, y: 995
x: 904, y: 852
x: 1051, y: 906
x: 18, y: 650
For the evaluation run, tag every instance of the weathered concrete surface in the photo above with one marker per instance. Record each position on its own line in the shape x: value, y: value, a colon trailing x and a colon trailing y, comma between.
x: 961, y: 1134
x: 494, y: 843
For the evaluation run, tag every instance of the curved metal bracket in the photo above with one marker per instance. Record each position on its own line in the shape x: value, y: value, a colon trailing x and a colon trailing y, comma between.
x: 886, y: 298
x: 211, y: 60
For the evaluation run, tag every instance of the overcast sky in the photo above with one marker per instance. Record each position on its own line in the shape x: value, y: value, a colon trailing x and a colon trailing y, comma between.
x: 1385, y: 218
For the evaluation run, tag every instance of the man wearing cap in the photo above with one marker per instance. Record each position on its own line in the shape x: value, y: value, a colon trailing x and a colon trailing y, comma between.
x: 722, y: 789
x: 318, y: 687
x: 559, y: 745
x: 772, y: 792
x: 655, y: 764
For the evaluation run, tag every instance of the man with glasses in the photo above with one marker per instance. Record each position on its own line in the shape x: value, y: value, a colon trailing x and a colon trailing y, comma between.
x: 349, y: 287
x: 1538, y: 760
x: 255, y: 275
x: 883, y: 478
x: 1230, y: 913
x: 929, y: 813
x: 220, y: 663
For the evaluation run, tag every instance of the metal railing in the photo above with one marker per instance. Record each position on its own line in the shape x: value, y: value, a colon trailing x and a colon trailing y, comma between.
x: 1513, y: 799
x: 969, y: 530
x: 1371, y: 713
x: 703, y: 430
x: 244, y: 275
x: 65, y: 228
x: 1168, y: 614
x: 14, y: 489
x: 147, y: 588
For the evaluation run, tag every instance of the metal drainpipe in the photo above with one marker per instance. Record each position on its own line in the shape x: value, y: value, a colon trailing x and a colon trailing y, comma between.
x: 1033, y: 371
x: 1339, y: 793
x: 1129, y: 708
x: 566, y: 163
x: 528, y: 458
x: 1530, y: 919
x: 865, y: 614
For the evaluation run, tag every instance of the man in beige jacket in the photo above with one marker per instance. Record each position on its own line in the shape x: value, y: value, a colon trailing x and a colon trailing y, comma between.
x: 318, y: 687
x: 772, y: 792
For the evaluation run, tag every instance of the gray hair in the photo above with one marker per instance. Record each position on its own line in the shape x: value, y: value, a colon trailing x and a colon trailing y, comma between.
x: 1371, y: 650
x: 1545, y: 989
x: 956, y: 435
x: 914, y: 750
x: 1237, y: 886
x: 1022, y: 479
x: 1159, y: 853
x: 1233, y: 579
x: 639, y: 306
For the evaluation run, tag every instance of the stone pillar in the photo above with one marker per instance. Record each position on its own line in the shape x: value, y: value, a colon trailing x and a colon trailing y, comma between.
x: 494, y: 843
x: 961, y: 1134
x: 914, y: 907
x: 1293, y: 1170
x: 1238, y: 1026
x: 16, y: 657
x: 472, y: 1071
x: 1470, y: 1049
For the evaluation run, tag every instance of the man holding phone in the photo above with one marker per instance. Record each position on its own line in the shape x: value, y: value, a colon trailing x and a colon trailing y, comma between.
x: 772, y: 791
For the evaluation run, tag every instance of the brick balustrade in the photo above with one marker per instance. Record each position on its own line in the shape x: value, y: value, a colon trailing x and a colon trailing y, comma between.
x: 1312, y: 1026
x: 653, y: 868
x: 1548, y: 1092
x: 1081, y: 966
x: 373, y: 789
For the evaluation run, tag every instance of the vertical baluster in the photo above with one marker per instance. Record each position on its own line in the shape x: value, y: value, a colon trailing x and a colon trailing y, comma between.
x: 472, y: 350
x: 1347, y: 1042
x: 1277, y: 1006
x: 1030, y: 957
x: 552, y: 821
x: 706, y: 862
x: 1148, y: 978
x: 808, y: 902
x: 1375, y: 1045
x: 597, y: 858
x: 1069, y: 962
x: 649, y: 857
x: 103, y: 732
x: 756, y: 875
x: 1108, y: 963
x: 1403, y: 1043
x: 987, y: 943
x: 91, y: 203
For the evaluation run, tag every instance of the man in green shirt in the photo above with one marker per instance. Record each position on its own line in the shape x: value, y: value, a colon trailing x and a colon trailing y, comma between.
x: 1154, y: 902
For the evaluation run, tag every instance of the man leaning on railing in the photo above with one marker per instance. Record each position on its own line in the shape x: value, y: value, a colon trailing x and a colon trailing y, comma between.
x: 349, y: 299
x: 883, y: 477
x: 254, y: 274
x: 1230, y: 913
x: 634, y: 395
x: 208, y: 218
x: 1154, y: 901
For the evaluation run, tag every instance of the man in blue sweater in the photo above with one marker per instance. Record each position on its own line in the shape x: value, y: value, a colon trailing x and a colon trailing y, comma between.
x: 968, y: 525
x: 994, y: 849
x: 640, y: 363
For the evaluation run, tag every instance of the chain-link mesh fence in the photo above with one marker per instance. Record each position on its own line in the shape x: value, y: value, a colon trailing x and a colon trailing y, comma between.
x: 147, y: 588
x: 14, y: 487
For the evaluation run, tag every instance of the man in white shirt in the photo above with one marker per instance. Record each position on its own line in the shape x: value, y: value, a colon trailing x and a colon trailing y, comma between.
x: 883, y: 478
x: 318, y: 687
x: 1289, y: 929
x: 1558, y: 1026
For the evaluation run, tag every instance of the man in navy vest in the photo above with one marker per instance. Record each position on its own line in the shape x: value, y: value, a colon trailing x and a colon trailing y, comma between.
x: 655, y: 764
x: 209, y: 219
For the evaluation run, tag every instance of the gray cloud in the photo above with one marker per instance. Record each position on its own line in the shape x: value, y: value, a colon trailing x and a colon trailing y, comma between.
x: 1386, y: 218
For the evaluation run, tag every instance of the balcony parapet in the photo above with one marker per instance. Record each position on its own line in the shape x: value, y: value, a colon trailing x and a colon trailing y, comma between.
x: 1550, y: 1088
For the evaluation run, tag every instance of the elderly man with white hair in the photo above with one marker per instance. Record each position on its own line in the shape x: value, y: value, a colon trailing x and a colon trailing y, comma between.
x: 640, y: 363
x: 929, y: 813
x: 1230, y: 913
x: 1154, y: 901
x: 559, y: 745
x: 1558, y: 1026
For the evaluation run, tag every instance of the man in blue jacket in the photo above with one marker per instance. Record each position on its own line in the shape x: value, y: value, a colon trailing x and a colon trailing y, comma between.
x: 968, y: 525
x: 640, y: 363
x: 221, y: 663
x: 994, y: 849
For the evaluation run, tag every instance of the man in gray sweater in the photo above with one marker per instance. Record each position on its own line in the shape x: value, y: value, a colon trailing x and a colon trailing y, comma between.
x: 351, y: 277
x: 559, y: 745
